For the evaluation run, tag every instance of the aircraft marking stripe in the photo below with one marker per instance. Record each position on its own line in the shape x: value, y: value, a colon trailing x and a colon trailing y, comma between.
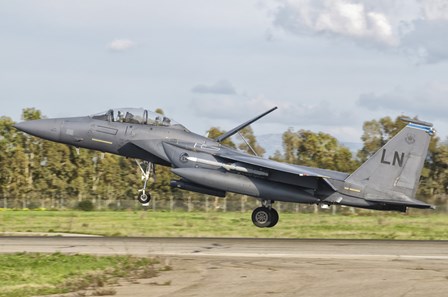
x: 420, y: 127
x: 352, y: 189
x: 102, y: 141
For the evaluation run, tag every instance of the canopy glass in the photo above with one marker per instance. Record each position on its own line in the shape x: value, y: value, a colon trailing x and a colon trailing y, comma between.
x: 135, y: 116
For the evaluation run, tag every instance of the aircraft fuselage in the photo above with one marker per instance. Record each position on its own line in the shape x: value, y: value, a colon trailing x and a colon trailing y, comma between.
x: 206, y: 166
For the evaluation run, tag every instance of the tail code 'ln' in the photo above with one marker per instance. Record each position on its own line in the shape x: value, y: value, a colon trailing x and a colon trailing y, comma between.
x: 397, y: 166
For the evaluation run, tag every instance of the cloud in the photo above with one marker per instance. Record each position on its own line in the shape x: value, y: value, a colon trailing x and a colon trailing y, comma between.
x: 120, y: 45
x: 428, y: 102
x: 350, y: 19
x: 220, y: 87
x: 289, y: 113
x: 404, y: 25
x: 435, y: 9
x: 427, y: 42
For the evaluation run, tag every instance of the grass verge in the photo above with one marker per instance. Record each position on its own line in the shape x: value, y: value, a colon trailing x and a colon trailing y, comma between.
x: 30, y: 274
x: 363, y: 225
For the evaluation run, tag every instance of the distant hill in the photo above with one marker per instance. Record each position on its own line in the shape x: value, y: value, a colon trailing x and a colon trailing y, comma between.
x: 273, y: 142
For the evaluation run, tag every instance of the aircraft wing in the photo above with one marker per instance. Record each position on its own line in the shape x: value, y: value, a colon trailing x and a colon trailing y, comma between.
x: 277, y: 166
x: 390, y: 197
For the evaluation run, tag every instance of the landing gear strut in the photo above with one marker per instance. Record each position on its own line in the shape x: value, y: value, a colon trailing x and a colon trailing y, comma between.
x: 147, y: 173
x: 265, y: 216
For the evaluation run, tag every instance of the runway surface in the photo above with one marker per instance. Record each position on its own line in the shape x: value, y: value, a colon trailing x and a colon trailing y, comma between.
x: 268, y: 267
x: 230, y: 247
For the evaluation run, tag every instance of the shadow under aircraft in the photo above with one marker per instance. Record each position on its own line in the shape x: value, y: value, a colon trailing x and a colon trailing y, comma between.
x: 388, y: 180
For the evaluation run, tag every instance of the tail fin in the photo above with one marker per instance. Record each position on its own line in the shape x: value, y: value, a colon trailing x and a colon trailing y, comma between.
x: 392, y: 174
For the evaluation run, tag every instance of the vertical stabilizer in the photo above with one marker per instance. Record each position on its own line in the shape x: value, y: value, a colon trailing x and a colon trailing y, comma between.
x: 393, y: 172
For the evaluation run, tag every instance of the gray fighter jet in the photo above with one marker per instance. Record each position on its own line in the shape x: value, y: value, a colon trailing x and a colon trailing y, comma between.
x: 386, y: 181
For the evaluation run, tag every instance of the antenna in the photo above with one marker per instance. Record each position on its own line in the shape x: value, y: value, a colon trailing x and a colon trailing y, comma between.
x: 242, y: 126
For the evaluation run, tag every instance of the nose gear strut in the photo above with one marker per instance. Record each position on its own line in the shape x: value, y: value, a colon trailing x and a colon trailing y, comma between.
x: 147, y: 173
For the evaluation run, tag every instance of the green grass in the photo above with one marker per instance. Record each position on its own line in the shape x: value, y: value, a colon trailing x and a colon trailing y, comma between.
x: 26, y: 274
x: 364, y: 225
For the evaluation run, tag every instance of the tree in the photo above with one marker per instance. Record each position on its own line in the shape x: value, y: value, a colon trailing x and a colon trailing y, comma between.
x: 83, y: 174
x: 434, y: 182
x: 290, y: 146
x: 32, y: 148
x: 29, y: 114
x: 53, y: 171
x: 214, y: 132
x: 319, y: 150
x: 377, y: 133
x: 13, y: 161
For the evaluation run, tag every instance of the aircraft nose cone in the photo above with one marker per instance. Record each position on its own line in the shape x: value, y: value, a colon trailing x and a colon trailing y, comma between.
x: 47, y: 128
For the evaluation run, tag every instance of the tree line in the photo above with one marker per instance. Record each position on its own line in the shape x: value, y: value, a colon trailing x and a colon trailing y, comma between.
x: 32, y: 169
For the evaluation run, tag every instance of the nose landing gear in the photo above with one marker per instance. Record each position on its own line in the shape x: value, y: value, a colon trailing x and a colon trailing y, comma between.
x: 144, y: 199
x: 147, y: 173
x: 265, y: 216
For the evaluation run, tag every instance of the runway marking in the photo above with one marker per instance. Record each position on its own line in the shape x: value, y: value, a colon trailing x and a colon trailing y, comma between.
x: 302, y: 256
x: 232, y: 247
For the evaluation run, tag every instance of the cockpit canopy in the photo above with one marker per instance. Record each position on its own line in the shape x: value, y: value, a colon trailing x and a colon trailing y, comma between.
x: 136, y: 116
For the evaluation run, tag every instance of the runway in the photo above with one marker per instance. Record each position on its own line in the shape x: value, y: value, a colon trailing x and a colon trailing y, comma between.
x: 269, y: 267
x: 230, y: 247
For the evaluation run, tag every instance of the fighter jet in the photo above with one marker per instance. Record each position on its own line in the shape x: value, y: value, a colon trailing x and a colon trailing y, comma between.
x: 387, y: 181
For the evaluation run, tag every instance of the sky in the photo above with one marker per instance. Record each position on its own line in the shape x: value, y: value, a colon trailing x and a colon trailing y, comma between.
x: 329, y: 65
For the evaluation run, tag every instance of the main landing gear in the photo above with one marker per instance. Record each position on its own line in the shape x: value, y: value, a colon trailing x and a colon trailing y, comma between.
x: 147, y: 172
x: 265, y: 216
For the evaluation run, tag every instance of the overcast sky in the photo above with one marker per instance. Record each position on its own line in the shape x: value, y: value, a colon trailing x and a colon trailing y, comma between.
x: 328, y: 65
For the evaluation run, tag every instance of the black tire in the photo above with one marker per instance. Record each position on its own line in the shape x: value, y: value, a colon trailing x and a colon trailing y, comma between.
x: 144, y: 199
x: 275, y: 218
x: 262, y: 217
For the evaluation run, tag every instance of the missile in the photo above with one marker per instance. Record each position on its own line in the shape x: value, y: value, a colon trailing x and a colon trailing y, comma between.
x: 227, y: 167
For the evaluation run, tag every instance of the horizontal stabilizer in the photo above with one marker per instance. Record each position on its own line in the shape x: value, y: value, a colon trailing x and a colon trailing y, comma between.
x: 414, y: 121
x: 409, y: 202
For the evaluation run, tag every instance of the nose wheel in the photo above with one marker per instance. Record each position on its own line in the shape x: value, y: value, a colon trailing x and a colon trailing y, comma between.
x: 144, y: 199
x: 148, y: 171
x: 265, y: 216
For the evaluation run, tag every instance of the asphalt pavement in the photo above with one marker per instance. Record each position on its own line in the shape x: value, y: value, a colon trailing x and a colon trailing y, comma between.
x: 267, y: 267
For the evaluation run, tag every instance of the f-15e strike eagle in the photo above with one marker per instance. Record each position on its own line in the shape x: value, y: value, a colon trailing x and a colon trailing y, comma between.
x: 388, y: 180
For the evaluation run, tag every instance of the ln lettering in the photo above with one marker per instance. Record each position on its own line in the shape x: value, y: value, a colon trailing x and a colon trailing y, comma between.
x: 398, y: 159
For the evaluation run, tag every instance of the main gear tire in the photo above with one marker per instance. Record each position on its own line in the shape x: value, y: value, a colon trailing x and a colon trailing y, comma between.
x: 262, y: 217
x: 274, y: 219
